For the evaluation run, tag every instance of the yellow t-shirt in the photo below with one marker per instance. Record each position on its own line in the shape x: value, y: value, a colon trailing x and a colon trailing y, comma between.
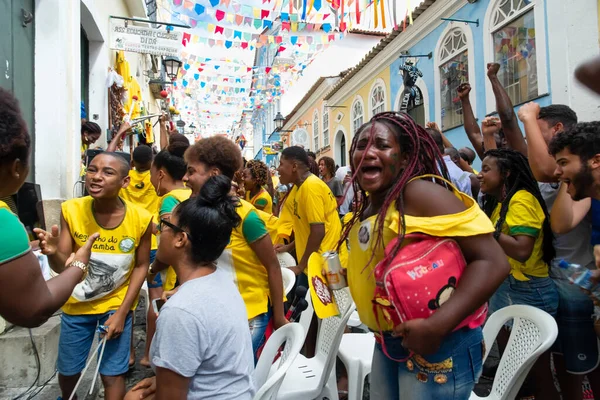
x: 141, y: 193
x: 241, y: 262
x: 361, y: 281
x: 525, y: 216
x: 286, y: 218
x: 262, y: 201
x: 166, y: 205
x: 314, y: 204
x: 275, y: 180
x: 112, y: 259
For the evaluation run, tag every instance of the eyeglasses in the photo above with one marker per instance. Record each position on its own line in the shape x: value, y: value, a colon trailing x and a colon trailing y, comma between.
x: 172, y: 226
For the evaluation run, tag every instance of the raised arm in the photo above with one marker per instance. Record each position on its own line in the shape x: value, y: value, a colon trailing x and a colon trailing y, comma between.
x: 491, y: 127
x: 114, y: 143
x: 504, y: 107
x: 164, y: 134
x: 541, y: 162
x: 445, y: 140
x: 470, y: 123
x: 566, y: 213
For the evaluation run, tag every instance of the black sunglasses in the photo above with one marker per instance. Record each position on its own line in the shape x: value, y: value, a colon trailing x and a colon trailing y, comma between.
x: 172, y: 226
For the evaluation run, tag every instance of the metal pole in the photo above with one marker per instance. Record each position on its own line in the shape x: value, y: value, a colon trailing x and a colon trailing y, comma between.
x: 151, y: 22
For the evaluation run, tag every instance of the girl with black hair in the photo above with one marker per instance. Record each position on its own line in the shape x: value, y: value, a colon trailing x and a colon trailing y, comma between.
x: 431, y: 358
x: 166, y: 175
x: 202, y: 348
x: 522, y: 228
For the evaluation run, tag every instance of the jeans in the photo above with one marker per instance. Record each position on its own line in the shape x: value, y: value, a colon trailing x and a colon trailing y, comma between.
x: 450, y: 373
x: 258, y: 326
x: 536, y: 292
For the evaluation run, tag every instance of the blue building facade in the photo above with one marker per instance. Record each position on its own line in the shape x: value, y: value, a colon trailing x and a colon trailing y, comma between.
x: 513, y: 33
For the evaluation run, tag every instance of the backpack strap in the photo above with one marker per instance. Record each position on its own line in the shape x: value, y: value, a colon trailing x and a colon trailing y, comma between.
x: 381, y: 340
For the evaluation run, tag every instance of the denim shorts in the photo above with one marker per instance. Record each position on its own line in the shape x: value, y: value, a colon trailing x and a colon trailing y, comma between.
x: 577, y: 340
x: 258, y: 327
x: 76, y: 339
x: 450, y: 373
x: 536, y: 292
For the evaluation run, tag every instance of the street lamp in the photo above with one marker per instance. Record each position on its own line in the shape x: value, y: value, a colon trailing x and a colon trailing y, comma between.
x: 172, y: 65
x: 279, y: 120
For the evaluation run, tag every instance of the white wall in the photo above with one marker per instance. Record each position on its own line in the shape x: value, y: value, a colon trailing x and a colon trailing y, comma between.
x: 573, y: 38
x: 57, y: 96
x: 341, y: 55
x: 58, y: 85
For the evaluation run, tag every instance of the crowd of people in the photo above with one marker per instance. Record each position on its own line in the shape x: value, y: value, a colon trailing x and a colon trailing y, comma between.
x: 202, y: 227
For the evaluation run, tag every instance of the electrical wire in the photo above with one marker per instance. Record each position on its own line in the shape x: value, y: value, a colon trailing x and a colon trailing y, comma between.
x: 37, y: 363
x: 39, y: 389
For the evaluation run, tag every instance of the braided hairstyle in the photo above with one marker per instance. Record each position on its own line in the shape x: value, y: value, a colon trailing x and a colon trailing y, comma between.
x: 515, y: 170
x: 423, y: 157
x: 259, y: 171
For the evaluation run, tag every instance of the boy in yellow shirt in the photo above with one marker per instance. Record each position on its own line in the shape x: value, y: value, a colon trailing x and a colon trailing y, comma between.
x: 117, y: 269
x: 317, y: 226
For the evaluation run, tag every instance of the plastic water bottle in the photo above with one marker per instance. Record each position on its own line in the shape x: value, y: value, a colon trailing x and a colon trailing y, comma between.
x: 575, y: 273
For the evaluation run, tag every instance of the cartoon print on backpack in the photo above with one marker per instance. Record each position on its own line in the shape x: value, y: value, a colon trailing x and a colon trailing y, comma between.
x: 443, y: 294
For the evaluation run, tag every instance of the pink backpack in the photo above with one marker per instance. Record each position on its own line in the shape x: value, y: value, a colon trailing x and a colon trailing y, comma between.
x: 419, y: 279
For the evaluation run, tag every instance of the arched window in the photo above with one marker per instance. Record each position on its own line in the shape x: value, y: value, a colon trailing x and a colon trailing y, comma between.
x: 377, y: 100
x: 316, y: 131
x: 358, y: 115
x: 325, y: 126
x: 515, y: 39
x: 453, y: 65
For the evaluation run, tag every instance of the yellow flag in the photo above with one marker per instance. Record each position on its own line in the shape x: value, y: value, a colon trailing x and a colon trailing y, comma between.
x: 322, y: 299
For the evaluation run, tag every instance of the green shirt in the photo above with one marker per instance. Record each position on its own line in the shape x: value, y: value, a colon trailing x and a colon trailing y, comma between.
x: 14, y: 241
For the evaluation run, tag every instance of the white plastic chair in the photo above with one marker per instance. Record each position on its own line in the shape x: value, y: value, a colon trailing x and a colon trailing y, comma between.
x: 314, y: 378
x: 289, y: 279
x: 356, y: 352
x: 286, y: 260
x: 532, y: 333
x: 293, y: 337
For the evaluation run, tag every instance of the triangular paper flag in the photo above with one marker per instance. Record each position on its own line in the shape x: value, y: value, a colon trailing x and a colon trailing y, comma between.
x: 199, y: 8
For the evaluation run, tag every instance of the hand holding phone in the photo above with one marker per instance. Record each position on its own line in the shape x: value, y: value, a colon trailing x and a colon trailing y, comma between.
x: 157, y: 305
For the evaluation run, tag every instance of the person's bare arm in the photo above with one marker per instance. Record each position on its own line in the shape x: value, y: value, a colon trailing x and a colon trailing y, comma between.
x: 487, y: 266
x: 116, y: 322
x: 170, y: 385
x: 541, y: 162
x: 470, y: 122
x: 316, y: 236
x: 116, y: 140
x: 434, y: 125
x: 263, y: 248
x: 490, y: 127
x: 164, y: 134
x: 504, y: 106
x: 26, y: 299
x: 566, y: 213
x: 588, y: 73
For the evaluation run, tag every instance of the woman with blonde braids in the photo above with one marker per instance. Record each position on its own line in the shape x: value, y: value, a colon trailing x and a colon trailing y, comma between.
x: 256, y: 174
